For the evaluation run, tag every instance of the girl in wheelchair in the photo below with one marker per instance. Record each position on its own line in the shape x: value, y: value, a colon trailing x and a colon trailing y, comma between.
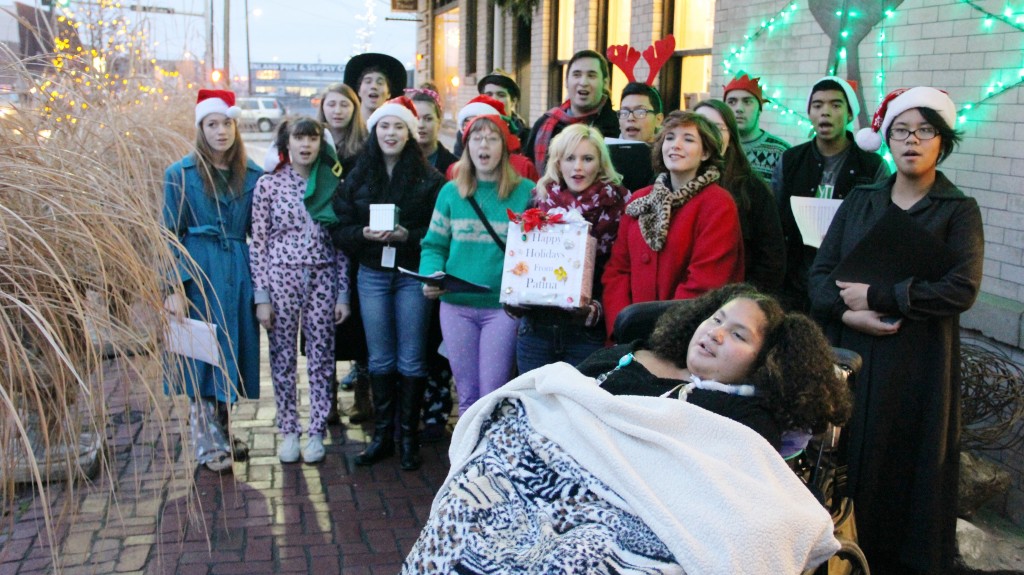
x: 556, y: 473
x: 741, y: 357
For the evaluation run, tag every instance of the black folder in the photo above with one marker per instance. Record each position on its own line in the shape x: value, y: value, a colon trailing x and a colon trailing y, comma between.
x: 896, y: 248
x: 447, y: 282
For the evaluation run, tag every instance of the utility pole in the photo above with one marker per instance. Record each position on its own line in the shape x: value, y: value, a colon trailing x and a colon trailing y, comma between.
x: 227, y: 43
x: 209, y: 38
x: 248, y: 59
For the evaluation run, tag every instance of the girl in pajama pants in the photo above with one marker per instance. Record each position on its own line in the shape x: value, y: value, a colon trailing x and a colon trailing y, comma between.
x: 479, y: 337
x: 299, y: 277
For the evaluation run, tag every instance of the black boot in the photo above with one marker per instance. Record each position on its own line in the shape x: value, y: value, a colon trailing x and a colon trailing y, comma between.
x: 384, y: 396
x: 333, y: 415
x: 411, y: 394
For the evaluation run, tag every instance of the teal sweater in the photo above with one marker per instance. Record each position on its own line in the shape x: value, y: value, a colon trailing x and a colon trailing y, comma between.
x: 458, y: 243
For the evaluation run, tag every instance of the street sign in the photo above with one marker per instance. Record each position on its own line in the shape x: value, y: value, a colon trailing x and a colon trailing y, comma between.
x: 152, y: 9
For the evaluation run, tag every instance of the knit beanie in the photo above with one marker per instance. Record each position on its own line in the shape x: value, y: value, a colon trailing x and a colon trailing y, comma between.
x: 899, y: 101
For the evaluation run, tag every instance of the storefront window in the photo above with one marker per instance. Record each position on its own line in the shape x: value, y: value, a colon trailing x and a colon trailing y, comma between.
x: 686, y: 79
x: 618, y: 33
x: 446, y: 60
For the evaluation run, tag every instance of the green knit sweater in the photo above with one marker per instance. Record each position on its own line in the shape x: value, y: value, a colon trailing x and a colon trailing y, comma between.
x: 458, y: 243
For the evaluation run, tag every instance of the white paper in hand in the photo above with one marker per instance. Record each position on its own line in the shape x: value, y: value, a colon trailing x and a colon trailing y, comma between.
x: 195, y: 339
x: 813, y: 217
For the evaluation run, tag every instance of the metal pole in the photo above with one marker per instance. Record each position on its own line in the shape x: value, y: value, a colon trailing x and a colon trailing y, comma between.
x: 227, y: 43
x: 248, y: 60
x: 209, y: 39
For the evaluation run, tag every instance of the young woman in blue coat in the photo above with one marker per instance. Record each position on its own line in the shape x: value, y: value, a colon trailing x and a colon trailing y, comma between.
x: 208, y: 207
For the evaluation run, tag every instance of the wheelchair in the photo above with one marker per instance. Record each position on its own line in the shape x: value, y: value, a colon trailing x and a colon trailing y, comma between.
x: 819, y: 463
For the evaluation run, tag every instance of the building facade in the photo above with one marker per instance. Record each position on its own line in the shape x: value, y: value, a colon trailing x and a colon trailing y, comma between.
x: 971, y: 48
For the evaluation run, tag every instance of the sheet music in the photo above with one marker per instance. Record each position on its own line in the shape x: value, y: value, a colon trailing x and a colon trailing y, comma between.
x: 813, y: 217
x: 195, y: 339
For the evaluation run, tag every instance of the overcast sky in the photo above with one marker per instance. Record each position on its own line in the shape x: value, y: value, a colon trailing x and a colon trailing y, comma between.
x: 305, y: 31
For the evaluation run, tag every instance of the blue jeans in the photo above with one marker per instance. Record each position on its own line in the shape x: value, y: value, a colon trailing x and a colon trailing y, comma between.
x: 395, y: 318
x: 541, y: 343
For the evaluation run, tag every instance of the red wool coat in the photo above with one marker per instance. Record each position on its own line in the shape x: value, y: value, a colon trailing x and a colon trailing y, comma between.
x: 703, y: 251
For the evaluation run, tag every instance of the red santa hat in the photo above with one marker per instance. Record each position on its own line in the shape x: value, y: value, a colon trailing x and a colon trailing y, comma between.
x: 216, y: 102
x: 400, y: 107
x: 497, y: 121
x: 849, y: 88
x: 481, y: 105
x: 899, y: 101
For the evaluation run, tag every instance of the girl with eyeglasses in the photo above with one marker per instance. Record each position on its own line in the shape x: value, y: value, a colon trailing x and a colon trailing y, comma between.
x: 904, y: 436
x: 479, y: 337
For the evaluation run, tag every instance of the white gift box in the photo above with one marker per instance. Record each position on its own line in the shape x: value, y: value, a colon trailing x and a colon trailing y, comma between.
x: 553, y: 266
x: 383, y: 217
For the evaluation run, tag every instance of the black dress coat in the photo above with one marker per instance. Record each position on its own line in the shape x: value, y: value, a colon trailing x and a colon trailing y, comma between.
x: 905, y: 433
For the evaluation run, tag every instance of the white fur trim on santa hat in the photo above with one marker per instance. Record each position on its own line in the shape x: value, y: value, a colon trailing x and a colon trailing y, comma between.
x: 215, y: 106
x: 920, y: 97
x: 392, y: 109
x: 851, y: 94
x: 475, y: 109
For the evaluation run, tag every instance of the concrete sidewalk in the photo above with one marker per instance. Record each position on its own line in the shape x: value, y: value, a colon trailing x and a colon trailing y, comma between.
x: 267, y: 517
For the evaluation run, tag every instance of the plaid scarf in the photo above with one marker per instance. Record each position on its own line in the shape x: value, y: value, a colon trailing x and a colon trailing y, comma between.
x: 654, y: 211
x: 558, y: 118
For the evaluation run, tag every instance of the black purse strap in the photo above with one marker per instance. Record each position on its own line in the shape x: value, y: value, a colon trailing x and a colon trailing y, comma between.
x: 487, y: 224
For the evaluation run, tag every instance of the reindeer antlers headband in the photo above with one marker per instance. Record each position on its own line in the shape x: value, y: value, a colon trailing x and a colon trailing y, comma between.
x: 626, y: 57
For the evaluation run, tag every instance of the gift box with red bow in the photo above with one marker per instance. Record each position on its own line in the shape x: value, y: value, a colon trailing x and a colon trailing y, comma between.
x: 549, y: 260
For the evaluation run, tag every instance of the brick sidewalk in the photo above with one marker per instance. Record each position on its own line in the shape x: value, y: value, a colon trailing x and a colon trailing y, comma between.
x: 267, y: 517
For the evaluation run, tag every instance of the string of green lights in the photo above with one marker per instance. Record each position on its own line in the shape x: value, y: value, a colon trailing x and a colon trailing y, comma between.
x: 736, y: 55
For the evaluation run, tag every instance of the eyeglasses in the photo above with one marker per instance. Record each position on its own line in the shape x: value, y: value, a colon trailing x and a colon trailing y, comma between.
x: 922, y: 133
x: 639, y: 113
x: 477, y: 139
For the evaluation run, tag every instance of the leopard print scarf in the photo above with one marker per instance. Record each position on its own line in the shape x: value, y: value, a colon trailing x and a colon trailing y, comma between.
x: 654, y: 211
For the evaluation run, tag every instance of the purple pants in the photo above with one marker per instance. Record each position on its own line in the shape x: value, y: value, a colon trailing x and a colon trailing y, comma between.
x: 305, y: 294
x: 481, y: 348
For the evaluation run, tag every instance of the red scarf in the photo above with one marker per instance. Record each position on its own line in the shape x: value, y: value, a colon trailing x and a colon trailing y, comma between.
x: 601, y: 204
x: 558, y: 118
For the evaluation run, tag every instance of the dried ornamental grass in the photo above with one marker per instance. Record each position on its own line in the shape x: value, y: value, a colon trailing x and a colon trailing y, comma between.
x: 83, y: 268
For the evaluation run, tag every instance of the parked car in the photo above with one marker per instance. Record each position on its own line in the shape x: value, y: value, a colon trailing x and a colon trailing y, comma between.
x: 263, y: 113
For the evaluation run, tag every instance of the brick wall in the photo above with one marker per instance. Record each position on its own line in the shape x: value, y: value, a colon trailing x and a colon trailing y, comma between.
x: 943, y: 43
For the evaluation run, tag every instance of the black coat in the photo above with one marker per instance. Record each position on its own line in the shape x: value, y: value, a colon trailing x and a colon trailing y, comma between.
x: 352, y: 206
x: 904, y: 435
x: 764, y: 249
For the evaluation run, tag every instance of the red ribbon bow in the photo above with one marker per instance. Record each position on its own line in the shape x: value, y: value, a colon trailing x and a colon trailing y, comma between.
x: 534, y: 218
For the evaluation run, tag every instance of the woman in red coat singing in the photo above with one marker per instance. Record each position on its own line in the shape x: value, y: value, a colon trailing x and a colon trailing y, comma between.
x: 680, y: 237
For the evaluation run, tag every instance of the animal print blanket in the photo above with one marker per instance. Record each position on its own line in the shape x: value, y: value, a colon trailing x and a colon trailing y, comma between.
x: 551, y: 474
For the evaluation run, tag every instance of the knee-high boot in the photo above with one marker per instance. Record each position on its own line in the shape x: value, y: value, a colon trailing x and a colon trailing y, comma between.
x: 384, y: 396
x: 411, y: 394
x: 362, y: 409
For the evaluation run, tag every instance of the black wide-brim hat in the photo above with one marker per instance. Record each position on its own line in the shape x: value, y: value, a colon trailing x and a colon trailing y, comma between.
x: 499, y: 79
x: 393, y: 70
